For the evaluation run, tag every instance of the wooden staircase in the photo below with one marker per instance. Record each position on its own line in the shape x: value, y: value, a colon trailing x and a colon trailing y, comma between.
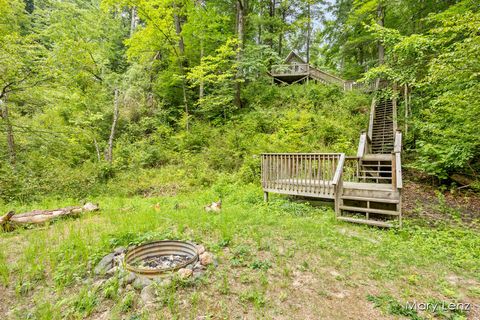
x: 382, y: 128
x: 369, y: 190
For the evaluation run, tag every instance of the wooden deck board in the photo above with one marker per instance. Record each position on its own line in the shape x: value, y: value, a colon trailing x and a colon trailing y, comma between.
x: 368, y: 186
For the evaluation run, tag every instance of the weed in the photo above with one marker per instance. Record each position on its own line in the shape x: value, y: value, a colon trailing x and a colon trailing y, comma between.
x: 85, y: 302
x: 240, y: 255
x: 47, y: 311
x: 260, y: 265
x: 390, y: 305
x: 255, y: 297
x: 128, y: 301
x: 110, y: 290
x: 224, y: 285
x: 4, y: 273
x: 23, y: 288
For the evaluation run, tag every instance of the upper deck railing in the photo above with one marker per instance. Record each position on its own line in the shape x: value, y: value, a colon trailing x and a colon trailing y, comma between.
x: 290, y: 69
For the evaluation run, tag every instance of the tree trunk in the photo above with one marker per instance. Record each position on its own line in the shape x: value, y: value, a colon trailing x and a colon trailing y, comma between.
x: 178, y: 30
x: 260, y: 16
x: 241, y: 8
x: 380, y: 21
x: 280, y: 35
x: 97, y: 149
x: 309, y: 31
x: 201, y: 88
x: 133, y: 20
x: 9, y: 129
x: 271, y: 22
x: 109, y: 151
x: 405, y: 98
x: 181, y: 64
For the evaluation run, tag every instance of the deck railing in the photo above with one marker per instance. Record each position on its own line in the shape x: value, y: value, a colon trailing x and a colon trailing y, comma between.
x: 305, y: 174
x: 351, y: 169
x: 290, y: 69
x: 397, y: 162
x: 361, y: 86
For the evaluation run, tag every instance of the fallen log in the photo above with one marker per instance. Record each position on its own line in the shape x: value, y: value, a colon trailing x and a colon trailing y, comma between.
x: 41, y: 216
x: 5, y: 218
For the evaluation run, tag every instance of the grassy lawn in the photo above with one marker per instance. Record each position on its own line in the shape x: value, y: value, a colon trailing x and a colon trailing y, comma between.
x: 281, y: 260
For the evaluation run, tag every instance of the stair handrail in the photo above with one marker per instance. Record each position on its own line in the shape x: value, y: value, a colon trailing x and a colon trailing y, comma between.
x: 337, y: 182
x: 397, y: 161
x: 339, y: 170
x: 363, y: 145
x: 372, y: 116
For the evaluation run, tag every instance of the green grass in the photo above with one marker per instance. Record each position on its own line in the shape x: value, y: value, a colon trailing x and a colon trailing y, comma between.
x: 273, y: 258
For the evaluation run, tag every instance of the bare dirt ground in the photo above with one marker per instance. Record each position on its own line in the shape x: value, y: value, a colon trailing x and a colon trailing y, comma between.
x: 426, y: 204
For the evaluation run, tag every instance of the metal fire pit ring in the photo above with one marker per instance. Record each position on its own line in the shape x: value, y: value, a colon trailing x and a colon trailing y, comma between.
x: 160, y: 248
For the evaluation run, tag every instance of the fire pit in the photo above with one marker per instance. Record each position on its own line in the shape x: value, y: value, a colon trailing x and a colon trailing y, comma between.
x: 155, y: 258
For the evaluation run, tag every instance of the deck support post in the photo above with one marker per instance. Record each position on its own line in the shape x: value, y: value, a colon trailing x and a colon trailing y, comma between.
x: 265, y: 196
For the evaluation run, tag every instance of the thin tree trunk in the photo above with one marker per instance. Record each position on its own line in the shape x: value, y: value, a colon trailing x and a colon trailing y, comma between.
x: 9, y: 130
x: 97, y: 149
x: 260, y: 15
x: 133, y: 21
x: 109, y: 151
x: 380, y: 21
x: 178, y: 30
x: 200, y: 4
x: 178, y: 20
x: 309, y: 31
x: 271, y: 23
x: 280, y: 35
x: 241, y: 8
x: 201, y: 88
x: 405, y: 97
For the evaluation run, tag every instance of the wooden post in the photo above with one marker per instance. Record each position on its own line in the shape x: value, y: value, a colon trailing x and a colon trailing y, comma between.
x: 265, y: 196
x: 394, y: 172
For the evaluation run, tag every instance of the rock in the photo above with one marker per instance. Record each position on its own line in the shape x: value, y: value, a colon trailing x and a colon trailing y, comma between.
x: 97, y: 284
x: 127, y: 279
x: 130, y: 278
x: 112, y: 271
x: 141, y: 282
x: 118, y: 260
x: 148, y: 295
x: 200, y: 249
x: 198, y: 274
x: 206, y: 258
x: 119, y: 250
x: 128, y: 288
x: 198, y: 266
x: 165, y: 282
x: 105, y: 264
x: 184, y: 273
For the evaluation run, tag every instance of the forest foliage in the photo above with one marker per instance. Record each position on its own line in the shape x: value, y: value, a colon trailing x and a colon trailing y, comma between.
x: 94, y: 90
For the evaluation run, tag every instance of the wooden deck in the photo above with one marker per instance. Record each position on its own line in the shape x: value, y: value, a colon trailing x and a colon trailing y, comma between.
x: 303, y: 174
x: 366, y: 188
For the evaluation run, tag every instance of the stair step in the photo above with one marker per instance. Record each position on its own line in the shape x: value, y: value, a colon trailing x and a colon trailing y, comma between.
x: 378, y: 165
x: 376, y: 157
x: 374, y: 178
x: 370, y: 199
x: 375, y: 171
x: 378, y: 211
x: 365, y: 221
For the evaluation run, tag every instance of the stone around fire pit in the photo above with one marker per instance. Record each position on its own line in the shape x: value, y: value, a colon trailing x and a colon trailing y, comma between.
x: 189, y: 263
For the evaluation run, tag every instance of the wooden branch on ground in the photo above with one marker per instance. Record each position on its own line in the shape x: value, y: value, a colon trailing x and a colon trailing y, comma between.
x: 41, y: 216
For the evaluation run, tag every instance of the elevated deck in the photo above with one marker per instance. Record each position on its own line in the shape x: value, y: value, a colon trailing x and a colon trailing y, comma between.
x: 366, y: 188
